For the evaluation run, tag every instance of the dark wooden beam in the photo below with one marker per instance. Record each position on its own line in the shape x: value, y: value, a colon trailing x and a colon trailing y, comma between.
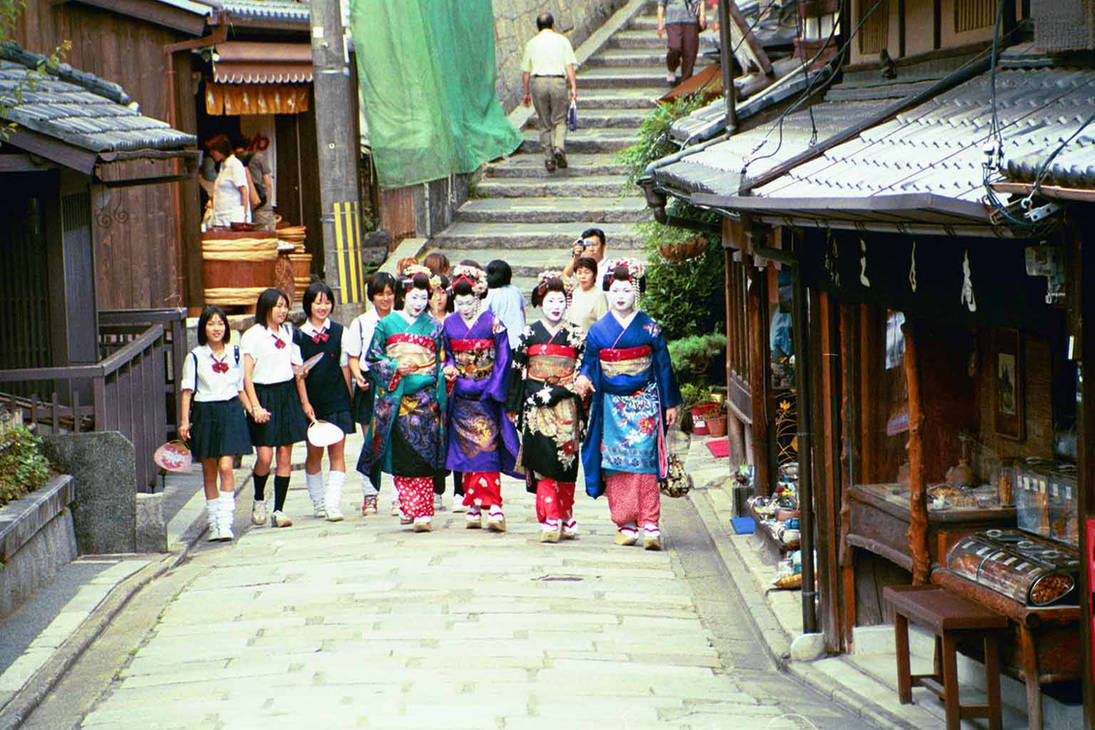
x: 54, y: 150
x: 151, y: 11
x: 24, y: 163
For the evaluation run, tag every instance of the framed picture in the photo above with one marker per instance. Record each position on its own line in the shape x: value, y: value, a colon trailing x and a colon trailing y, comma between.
x: 1007, y: 357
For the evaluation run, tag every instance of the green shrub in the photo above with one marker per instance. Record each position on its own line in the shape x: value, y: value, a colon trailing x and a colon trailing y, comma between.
x: 654, y: 140
x: 22, y: 466
x: 692, y: 356
x: 686, y: 297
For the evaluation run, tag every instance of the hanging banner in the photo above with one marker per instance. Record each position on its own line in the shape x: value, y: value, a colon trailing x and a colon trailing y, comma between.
x: 427, y: 73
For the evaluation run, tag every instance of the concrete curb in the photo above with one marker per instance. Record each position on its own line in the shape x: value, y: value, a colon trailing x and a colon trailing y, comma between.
x: 46, y: 677
x: 776, y: 641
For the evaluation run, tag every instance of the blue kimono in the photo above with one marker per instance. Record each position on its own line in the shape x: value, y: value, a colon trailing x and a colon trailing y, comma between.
x: 633, y: 384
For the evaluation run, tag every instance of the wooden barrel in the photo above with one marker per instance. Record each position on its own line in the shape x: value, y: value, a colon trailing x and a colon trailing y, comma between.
x: 294, y: 235
x: 302, y: 274
x: 237, y: 266
x: 284, y: 278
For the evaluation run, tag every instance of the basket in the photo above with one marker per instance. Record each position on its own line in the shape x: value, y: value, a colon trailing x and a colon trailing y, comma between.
x: 684, y: 250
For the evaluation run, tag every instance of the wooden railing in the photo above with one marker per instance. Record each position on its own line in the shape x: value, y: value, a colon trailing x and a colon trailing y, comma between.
x: 128, y: 391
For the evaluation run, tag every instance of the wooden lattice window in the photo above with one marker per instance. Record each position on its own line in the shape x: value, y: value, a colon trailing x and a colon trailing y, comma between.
x: 973, y: 14
x: 874, y: 31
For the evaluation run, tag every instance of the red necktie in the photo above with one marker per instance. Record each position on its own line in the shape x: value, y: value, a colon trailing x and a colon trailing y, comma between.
x: 320, y: 336
x: 278, y: 343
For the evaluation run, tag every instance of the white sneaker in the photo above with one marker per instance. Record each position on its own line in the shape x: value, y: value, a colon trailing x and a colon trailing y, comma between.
x: 319, y: 510
x: 258, y: 513
x: 280, y: 519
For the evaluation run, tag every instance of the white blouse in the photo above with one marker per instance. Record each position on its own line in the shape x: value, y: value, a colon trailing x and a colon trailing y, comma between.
x: 359, y: 335
x: 212, y: 378
x: 273, y: 364
x: 309, y: 330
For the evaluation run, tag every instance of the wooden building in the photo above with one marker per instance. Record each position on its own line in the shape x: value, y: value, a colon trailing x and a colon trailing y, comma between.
x: 67, y: 361
x: 939, y: 340
x: 207, y: 67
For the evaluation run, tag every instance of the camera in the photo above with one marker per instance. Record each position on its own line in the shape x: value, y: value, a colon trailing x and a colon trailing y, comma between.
x: 584, y: 243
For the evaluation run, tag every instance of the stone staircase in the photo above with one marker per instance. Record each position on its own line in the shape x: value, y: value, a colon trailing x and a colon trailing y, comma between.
x: 524, y: 215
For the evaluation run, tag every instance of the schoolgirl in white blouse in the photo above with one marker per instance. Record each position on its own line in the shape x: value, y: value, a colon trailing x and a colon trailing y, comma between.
x: 212, y: 380
x: 278, y: 418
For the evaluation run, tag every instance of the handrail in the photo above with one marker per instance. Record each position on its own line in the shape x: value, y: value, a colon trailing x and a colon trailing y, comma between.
x: 111, y: 364
x: 134, y: 316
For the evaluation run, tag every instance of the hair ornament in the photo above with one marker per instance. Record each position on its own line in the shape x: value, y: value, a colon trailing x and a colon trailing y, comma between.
x: 636, y: 269
x: 545, y: 276
x: 412, y: 270
x: 475, y: 276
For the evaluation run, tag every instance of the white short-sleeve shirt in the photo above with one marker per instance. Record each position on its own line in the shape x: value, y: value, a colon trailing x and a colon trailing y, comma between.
x: 213, y: 378
x: 548, y: 54
x: 273, y: 364
x: 359, y: 335
x: 309, y: 330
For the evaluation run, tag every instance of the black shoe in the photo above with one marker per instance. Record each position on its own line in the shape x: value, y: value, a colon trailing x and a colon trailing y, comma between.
x: 561, y: 160
x: 550, y: 165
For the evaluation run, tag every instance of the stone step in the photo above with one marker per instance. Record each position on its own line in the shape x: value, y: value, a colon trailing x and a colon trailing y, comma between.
x: 649, y: 39
x: 604, y: 118
x: 461, y: 236
x: 589, y: 140
x: 554, y: 210
x: 626, y: 78
x: 592, y: 186
x: 524, y: 166
x: 626, y: 57
x: 619, y: 98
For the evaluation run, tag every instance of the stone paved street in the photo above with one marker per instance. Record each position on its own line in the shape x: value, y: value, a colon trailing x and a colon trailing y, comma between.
x: 365, y: 624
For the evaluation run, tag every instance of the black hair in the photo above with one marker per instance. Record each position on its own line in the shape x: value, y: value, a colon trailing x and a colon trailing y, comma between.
x: 207, y: 314
x: 462, y: 287
x: 585, y: 262
x: 267, y: 301
x: 620, y: 273
x: 445, y: 288
x: 591, y: 232
x: 378, y: 282
x: 313, y: 293
x: 545, y: 20
x: 499, y: 274
x: 547, y: 285
x: 418, y: 281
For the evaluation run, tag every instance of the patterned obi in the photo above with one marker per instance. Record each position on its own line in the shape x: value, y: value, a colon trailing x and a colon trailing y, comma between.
x: 418, y: 350
x: 552, y: 364
x: 626, y: 360
x: 474, y: 357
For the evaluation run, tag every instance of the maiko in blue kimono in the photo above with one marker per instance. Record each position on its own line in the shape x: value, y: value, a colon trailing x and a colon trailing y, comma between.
x: 635, y: 396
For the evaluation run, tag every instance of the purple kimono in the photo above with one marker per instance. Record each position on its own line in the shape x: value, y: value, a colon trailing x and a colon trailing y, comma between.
x: 481, y: 438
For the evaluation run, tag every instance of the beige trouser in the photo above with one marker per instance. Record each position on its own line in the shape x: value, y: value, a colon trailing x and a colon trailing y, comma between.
x: 551, y: 100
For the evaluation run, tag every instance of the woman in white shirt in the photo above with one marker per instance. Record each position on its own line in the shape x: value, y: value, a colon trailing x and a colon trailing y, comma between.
x: 212, y: 379
x: 231, y: 195
x: 279, y: 399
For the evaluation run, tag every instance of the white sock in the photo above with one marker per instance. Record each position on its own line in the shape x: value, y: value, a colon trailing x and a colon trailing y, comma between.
x: 332, y: 499
x: 227, y: 511
x: 315, y: 487
x: 212, y: 509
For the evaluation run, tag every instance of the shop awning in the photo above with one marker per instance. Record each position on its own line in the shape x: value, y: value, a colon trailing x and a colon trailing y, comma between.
x: 247, y: 62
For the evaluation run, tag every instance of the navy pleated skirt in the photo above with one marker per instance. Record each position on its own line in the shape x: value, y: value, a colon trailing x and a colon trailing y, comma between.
x: 287, y: 424
x: 341, y: 418
x: 218, y: 428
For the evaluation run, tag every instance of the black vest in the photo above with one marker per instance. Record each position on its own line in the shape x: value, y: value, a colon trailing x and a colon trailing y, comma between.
x: 325, y: 382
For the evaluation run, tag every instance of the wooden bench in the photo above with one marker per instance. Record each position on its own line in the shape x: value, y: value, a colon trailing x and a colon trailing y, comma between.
x: 949, y: 617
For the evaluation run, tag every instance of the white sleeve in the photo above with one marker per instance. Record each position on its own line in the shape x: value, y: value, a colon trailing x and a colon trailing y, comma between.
x: 247, y: 343
x: 239, y: 369
x: 189, y: 373
x: 344, y: 356
x: 295, y: 358
x: 351, y: 339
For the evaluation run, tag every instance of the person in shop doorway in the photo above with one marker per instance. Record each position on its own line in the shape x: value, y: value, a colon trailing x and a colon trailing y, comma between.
x: 231, y: 201
x: 262, y: 186
x: 547, y: 67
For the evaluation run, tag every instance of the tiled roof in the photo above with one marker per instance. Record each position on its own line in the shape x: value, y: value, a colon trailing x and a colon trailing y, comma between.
x: 78, y: 108
x: 717, y: 169
x: 273, y: 10
x: 938, y: 147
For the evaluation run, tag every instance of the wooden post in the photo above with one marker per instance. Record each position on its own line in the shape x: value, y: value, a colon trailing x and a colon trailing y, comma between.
x: 918, y: 504
x: 850, y: 464
x: 758, y: 375
x: 337, y: 152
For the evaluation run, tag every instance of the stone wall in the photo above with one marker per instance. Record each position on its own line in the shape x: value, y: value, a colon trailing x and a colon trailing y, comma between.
x: 515, y: 23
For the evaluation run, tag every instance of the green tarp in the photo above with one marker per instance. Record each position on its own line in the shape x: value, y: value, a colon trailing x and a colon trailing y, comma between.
x: 427, y: 73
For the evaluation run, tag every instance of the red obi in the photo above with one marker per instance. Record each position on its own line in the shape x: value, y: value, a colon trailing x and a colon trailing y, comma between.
x: 626, y: 360
x: 552, y: 364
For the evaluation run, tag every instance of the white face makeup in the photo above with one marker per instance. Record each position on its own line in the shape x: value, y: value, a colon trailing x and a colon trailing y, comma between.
x: 415, y: 301
x: 467, y: 306
x: 554, y: 306
x: 621, y: 297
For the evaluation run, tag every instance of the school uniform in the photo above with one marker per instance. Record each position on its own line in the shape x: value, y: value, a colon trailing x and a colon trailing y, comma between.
x: 275, y: 354
x: 355, y: 341
x: 218, y: 425
x: 325, y: 382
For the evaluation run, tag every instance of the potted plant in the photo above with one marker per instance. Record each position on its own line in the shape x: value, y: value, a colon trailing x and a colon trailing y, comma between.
x: 692, y: 356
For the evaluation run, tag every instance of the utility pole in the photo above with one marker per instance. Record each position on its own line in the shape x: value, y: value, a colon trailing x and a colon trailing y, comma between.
x: 337, y: 152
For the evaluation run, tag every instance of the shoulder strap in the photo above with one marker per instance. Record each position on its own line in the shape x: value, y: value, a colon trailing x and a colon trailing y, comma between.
x: 195, y: 356
x: 237, y: 350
